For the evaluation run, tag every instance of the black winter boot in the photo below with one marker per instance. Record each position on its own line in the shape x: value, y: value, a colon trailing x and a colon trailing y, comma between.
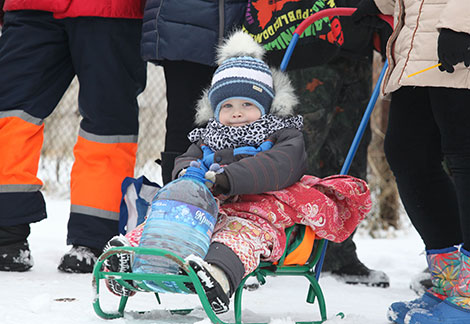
x: 15, y: 257
x: 80, y: 259
x: 342, y: 262
x: 119, y: 262
x: 357, y: 273
x: 214, y: 289
x: 14, y: 249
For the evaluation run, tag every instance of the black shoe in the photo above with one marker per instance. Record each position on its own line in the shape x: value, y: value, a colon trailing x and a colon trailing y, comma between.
x: 120, y: 262
x: 218, y: 299
x: 357, y: 273
x: 80, y: 259
x: 15, y: 257
x: 421, y: 282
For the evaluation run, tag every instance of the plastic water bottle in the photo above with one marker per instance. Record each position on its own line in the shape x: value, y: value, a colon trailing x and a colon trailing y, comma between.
x: 181, y: 220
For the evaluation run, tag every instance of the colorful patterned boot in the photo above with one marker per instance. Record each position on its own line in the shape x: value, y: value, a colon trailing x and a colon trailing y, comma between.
x: 444, y: 267
x: 454, y: 309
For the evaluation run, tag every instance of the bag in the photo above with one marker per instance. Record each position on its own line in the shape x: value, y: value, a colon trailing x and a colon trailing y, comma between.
x: 273, y: 22
x: 137, y: 196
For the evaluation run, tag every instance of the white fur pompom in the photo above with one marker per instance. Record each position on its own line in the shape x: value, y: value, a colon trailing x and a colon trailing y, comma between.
x: 239, y: 44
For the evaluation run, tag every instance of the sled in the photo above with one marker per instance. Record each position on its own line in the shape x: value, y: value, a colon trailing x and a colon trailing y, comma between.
x: 303, y: 255
x: 295, y: 251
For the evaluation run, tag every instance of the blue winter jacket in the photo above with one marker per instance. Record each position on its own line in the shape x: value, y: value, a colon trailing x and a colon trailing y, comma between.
x: 188, y: 30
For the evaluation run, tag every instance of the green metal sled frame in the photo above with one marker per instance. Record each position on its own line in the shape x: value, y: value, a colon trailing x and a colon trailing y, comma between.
x: 264, y: 269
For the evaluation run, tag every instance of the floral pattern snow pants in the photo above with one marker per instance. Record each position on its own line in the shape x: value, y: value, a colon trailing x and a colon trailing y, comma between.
x: 253, y: 226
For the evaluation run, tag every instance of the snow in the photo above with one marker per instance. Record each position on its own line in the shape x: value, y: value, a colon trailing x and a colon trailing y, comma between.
x: 45, y: 295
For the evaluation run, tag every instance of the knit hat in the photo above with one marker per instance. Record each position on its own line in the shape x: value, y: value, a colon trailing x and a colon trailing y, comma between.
x: 242, y: 77
x: 243, y: 74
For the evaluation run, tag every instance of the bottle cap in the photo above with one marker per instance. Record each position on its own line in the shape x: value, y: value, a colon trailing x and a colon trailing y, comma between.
x: 195, y: 172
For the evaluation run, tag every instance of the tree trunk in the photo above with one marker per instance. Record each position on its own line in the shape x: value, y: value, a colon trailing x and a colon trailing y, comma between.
x: 385, y: 213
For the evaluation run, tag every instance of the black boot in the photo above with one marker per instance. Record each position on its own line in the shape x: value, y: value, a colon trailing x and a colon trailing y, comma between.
x: 357, y: 273
x: 119, y: 262
x: 216, y: 295
x: 342, y: 262
x: 167, y: 164
x: 80, y: 259
x: 15, y: 257
x: 14, y: 249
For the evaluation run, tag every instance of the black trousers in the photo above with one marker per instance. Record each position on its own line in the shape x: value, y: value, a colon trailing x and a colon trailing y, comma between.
x: 39, y: 57
x: 185, y: 82
x: 429, y: 131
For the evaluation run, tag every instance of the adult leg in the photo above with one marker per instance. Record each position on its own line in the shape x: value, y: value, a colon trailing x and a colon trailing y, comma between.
x: 35, y: 71
x: 333, y: 98
x: 413, y: 150
x: 444, y: 117
x: 450, y: 108
x: 185, y: 82
x: 111, y: 77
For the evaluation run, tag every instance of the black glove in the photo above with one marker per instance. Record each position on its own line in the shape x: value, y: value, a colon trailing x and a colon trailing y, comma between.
x: 453, y: 48
x: 365, y: 9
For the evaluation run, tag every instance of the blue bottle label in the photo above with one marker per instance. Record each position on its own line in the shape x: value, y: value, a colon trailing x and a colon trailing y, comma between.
x: 183, y: 213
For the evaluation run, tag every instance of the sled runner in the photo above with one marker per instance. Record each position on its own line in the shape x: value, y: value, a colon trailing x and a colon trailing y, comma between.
x: 303, y: 255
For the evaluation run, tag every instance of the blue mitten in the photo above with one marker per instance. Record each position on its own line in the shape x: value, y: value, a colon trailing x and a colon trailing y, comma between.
x: 248, y: 150
x: 251, y: 150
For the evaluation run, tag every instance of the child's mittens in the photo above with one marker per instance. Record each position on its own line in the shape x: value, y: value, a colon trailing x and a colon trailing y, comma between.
x: 195, y: 164
x: 218, y: 181
x: 210, y: 175
x: 214, y: 169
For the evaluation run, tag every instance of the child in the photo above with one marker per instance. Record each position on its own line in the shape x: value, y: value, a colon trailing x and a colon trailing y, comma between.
x: 252, y: 134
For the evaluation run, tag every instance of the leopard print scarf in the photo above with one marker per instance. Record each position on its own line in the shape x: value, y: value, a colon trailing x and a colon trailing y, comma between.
x: 219, y: 137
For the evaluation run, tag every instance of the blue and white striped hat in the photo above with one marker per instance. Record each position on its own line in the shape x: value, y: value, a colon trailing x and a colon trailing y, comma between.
x: 242, y: 77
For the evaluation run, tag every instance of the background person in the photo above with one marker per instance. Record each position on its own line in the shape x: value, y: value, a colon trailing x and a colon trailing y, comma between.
x: 44, y: 44
x: 428, y: 122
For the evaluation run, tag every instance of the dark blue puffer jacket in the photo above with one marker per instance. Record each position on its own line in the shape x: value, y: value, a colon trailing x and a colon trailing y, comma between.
x: 188, y: 30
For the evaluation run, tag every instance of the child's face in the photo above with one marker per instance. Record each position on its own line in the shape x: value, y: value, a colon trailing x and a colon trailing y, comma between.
x: 238, y: 112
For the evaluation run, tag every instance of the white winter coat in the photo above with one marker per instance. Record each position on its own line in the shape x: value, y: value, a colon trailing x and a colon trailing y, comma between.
x: 413, y: 44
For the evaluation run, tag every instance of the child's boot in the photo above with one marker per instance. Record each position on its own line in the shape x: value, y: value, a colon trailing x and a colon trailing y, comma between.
x: 214, y: 282
x: 444, y: 265
x: 455, y: 309
x: 119, y: 262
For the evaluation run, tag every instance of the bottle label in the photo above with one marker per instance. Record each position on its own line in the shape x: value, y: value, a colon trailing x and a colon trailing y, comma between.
x: 183, y: 213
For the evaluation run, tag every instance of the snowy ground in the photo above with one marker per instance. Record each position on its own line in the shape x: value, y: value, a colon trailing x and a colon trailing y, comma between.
x: 44, y: 295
